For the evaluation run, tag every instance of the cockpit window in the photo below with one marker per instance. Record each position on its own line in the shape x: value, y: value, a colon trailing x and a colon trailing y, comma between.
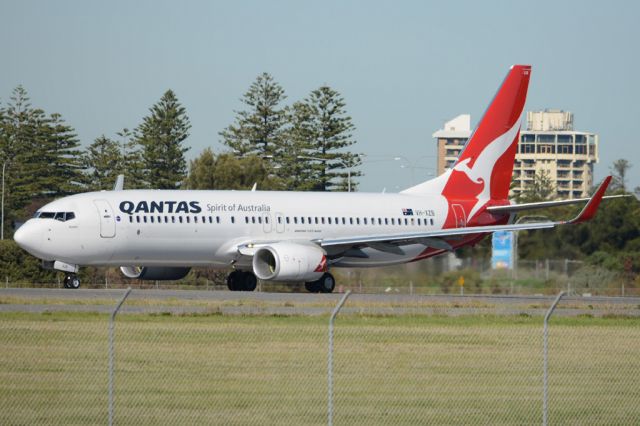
x: 61, y: 216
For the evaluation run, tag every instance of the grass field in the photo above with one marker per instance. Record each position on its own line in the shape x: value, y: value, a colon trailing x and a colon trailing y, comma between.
x: 219, y: 369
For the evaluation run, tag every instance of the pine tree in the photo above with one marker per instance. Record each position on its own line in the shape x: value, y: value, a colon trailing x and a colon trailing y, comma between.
x: 260, y: 129
x: 64, y: 174
x: 295, y: 153
x: 103, y: 161
x: 227, y: 171
x: 131, y: 164
x: 330, y: 130
x: 161, y: 135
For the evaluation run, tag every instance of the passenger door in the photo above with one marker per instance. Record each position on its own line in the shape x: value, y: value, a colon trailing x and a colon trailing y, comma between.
x: 107, y: 221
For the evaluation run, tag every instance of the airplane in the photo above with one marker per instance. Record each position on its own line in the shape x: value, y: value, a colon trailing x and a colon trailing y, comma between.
x: 297, y: 236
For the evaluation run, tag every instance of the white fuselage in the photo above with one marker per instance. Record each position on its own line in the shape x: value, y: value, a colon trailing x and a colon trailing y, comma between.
x: 205, y: 228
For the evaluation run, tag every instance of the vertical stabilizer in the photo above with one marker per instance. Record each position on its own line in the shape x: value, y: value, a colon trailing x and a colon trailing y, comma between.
x: 485, y: 165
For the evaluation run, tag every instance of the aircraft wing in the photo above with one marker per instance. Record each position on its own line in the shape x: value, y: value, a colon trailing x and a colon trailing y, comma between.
x: 437, y: 238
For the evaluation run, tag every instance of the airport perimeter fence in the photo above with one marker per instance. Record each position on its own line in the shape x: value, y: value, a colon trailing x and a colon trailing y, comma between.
x: 432, y: 276
x: 383, y: 360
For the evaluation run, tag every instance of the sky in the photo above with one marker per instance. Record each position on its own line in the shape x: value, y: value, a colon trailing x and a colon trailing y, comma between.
x: 403, y: 67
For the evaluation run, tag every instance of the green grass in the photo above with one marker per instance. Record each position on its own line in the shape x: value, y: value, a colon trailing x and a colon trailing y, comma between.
x: 217, y: 369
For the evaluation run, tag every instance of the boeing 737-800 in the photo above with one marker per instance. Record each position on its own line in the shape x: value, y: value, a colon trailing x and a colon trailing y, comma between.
x: 296, y: 236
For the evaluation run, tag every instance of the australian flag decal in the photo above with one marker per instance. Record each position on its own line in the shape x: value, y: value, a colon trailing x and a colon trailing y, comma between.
x: 407, y: 212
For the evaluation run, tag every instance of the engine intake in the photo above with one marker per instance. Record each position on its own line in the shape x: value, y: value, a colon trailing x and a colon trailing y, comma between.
x: 287, y: 261
x: 155, y: 273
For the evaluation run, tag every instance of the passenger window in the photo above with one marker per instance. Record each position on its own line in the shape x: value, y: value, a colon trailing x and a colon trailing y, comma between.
x: 329, y: 220
x: 386, y: 221
x: 399, y: 221
x: 431, y: 221
x: 173, y: 219
x: 138, y: 219
x: 379, y: 221
x: 287, y: 220
x: 418, y: 221
x: 266, y: 219
x: 259, y: 219
x: 393, y: 221
x: 302, y: 220
x: 344, y: 221
x: 151, y: 219
x: 295, y: 220
x: 309, y: 221
x: 357, y: 221
x: 233, y: 219
x: 195, y: 219
x: 130, y: 219
x: 188, y: 219
x: 217, y: 219
x: 406, y: 221
x: 246, y: 219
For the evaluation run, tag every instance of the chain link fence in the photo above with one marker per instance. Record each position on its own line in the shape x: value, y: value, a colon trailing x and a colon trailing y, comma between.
x: 189, y: 358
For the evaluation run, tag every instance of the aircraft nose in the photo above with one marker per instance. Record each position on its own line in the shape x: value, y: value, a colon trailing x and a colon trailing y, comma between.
x: 28, y: 237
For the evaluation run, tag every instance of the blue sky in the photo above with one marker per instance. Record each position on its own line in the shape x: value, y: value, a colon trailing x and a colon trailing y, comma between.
x: 403, y: 67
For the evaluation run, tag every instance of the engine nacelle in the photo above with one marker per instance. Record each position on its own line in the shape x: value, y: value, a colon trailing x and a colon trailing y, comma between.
x: 287, y: 261
x: 155, y: 273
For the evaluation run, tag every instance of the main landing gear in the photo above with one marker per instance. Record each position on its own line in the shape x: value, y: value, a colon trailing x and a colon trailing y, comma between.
x: 242, y: 281
x: 325, y: 284
x: 71, y: 281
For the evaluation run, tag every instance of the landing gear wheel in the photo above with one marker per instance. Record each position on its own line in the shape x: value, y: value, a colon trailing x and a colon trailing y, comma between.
x: 312, y: 287
x: 249, y: 281
x: 242, y: 281
x: 327, y: 283
x: 233, y: 280
x: 71, y: 281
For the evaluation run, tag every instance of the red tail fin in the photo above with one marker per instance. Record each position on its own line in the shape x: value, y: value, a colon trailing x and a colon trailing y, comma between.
x: 491, y: 149
x: 485, y: 165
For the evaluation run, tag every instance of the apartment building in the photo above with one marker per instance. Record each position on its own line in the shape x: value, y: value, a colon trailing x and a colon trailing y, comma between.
x: 549, y: 144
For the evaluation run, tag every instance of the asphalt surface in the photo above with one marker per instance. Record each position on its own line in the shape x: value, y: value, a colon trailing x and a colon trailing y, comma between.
x: 178, y: 302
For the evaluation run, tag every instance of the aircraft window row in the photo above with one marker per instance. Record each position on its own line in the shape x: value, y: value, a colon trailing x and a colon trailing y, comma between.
x: 350, y: 221
x: 172, y: 219
x: 302, y: 220
x: 61, y: 216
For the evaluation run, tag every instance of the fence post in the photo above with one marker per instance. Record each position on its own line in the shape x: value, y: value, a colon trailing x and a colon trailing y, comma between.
x: 111, y: 344
x: 545, y: 367
x: 330, y: 358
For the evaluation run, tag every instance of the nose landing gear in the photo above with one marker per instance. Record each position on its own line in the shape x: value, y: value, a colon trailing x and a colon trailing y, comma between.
x: 71, y: 281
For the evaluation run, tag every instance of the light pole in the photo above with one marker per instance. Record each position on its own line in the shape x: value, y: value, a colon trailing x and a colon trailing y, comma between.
x: 413, y: 165
x: 4, y: 165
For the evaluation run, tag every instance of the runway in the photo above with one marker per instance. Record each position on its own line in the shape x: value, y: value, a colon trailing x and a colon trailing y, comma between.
x: 185, y: 302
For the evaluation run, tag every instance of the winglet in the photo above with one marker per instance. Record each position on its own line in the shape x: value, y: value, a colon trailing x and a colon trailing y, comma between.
x: 589, y: 211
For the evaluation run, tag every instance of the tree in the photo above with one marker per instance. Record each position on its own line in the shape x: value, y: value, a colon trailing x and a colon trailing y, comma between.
x: 103, y: 162
x: 330, y: 132
x: 541, y: 188
x: 40, y: 156
x: 227, y: 171
x: 161, y: 136
x: 131, y: 164
x: 260, y: 128
x: 619, y: 170
x: 64, y: 173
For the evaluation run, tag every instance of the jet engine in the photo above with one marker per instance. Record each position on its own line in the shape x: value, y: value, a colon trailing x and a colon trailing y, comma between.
x: 155, y: 273
x: 286, y: 261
